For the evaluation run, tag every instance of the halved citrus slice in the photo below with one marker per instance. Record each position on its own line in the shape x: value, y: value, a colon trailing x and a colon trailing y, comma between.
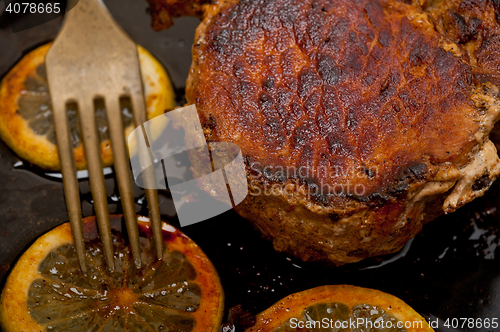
x: 26, y: 124
x: 46, y: 290
x: 340, y: 308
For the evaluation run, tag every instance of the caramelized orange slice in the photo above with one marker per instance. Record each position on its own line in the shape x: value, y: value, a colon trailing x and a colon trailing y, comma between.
x: 46, y: 290
x: 26, y: 123
x: 340, y: 308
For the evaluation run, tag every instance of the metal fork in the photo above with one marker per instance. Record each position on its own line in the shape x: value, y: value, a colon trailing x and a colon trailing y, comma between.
x: 91, y: 58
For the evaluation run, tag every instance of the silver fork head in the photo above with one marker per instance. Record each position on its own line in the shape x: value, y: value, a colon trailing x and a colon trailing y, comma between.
x: 93, y: 58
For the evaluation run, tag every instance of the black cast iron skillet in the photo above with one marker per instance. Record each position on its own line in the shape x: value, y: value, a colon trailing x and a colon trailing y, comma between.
x: 450, y: 270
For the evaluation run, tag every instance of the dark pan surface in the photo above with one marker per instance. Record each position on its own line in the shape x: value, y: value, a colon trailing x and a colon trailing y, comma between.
x: 450, y: 270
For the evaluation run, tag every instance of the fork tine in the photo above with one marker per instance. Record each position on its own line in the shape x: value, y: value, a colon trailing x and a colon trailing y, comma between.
x: 70, y: 182
x: 123, y: 175
x: 139, y: 109
x: 154, y: 212
x: 92, y: 148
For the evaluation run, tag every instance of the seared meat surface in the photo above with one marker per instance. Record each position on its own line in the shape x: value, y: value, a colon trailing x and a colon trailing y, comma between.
x: 359, y: 120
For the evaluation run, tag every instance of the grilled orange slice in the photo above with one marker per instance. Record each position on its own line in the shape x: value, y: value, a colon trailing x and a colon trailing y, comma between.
x: 46, y: 290
x: 340, y: 308
x: 26, y: 123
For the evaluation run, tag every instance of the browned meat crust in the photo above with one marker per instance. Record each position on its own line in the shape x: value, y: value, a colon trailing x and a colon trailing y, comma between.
x: 164, y: 11
x: 359, y: 120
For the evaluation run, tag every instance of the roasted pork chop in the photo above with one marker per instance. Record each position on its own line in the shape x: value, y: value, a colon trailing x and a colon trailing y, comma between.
x: 359, y: 120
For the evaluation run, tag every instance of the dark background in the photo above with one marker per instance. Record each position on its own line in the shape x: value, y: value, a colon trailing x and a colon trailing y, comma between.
x: 450, y: 270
